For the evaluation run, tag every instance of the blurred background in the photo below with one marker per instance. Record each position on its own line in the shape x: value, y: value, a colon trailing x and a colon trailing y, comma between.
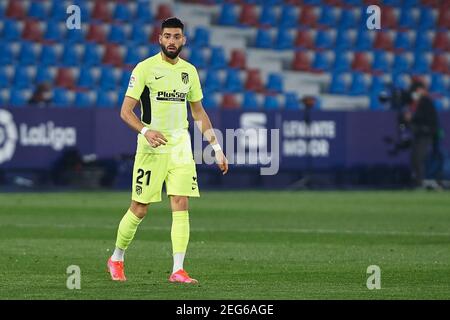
x: 339, y: 93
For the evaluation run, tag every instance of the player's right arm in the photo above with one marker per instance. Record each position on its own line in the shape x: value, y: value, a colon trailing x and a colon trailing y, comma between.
x: 132, y: 96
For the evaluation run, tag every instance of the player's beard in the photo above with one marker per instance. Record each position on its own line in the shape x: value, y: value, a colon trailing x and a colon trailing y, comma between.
x: 171, y: 55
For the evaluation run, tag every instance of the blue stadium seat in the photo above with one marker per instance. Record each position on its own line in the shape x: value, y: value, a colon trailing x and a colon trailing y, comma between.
x: 375, y: 103
x: 402, y: 41
x: 117, y: 34
x: 421, y: 64
x: 121, y: 94
x: 288, y: 17
x: 353, y: 2
x: 139, y: 34
x: 271, y: 103
x: 210, y: 101
x: 343, y: 40
x: 378, y: 84
x: 228, y: 16
x: 423, y: 41
x: 328, y: 16
x: 342, y: 62
x: 75, y: 36
x: 363, y: 40
x: 27, y: 54
x: 144, y: 12
x: 7, y: 56
x: 249, y: 101
x: 312, y: 2
x: 212, y: 81
x: 122, y: 12
x: 338, y: 84
x: 69, y: 56
x: 393, y: 3
x: 274, y: 82
x: 380, y: 61
x: 4, y: 78
x: 233, y: 82
x: 91, y: 56
x: 21, y: 79
x: 400, y: 81
x: 321, y: 61
x: 291, y: 101
x: 105, y: 99
x: 410, y: 3
x: 61, y: 98
x: 401, y: 64
x: 43, y: 74
x: 263, y: 39
x: 323, y: 39
x: 85, y: 78
x: 284, y: 40
x: 48, y: 55
x: 82, y: 100
x: 37, y: 10
x: 427, y: 19
x: 348, y: 20
x: 132, y: 56
x: 269, y: 2
x: 407, y: 19
x: 53, y: 31
x: 152, y: 49
x: 107, y: 79
x: 437, y: 83
x: 124, y: 78
x: 11, y: 30
x: 267, y: 16
x: 198, y: 59
x: 17, y: 98
x: 201, y: 37
x: 57, y: 11
x: 438, y: 103
x: 217, y: 59
x: 359, y: 84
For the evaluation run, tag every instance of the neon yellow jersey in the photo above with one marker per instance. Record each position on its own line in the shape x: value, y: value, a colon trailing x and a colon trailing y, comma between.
x: 163, y: 90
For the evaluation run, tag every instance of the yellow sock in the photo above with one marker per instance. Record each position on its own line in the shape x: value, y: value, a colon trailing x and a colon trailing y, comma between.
x: 180, y: 231
x: 127, y: 228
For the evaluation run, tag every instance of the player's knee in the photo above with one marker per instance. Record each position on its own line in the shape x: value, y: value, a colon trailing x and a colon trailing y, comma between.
x: 179, y: 203
x: 139, y: 209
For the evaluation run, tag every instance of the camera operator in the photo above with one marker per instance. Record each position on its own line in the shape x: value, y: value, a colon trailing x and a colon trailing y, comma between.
x: 423, y: 121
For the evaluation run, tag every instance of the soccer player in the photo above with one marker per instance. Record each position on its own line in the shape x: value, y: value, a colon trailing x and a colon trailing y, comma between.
x: 163, y: 83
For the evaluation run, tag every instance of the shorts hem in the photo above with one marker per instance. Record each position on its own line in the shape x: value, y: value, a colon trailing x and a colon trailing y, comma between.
x: 146, y: 201
x: 181, y: 194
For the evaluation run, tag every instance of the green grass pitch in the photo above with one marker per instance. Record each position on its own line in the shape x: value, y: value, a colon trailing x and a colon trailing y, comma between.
x: 244, y: 245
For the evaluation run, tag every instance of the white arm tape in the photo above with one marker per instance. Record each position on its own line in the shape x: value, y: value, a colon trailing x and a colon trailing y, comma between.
x: 216, y: 147
x: 144, y: 130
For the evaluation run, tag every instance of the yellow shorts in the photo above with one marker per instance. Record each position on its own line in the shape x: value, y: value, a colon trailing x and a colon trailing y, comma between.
x: 151, y: 170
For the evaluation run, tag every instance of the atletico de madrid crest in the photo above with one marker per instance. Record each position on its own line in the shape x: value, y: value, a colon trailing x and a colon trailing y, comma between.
x: 185, y: 77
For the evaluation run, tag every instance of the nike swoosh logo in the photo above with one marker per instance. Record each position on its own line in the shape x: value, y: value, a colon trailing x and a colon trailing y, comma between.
x: 157, y: 78
x: 193, y: 188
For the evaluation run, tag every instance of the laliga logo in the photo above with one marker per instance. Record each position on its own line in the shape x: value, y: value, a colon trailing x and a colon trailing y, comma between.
x: 41, y: 135
x: 8, y: 136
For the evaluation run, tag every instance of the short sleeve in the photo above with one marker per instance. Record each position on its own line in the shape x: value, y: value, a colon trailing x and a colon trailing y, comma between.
x: 195, y: 92
x: 136, y: 84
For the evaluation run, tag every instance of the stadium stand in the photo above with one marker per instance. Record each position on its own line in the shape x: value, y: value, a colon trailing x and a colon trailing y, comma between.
x: 277, y: 49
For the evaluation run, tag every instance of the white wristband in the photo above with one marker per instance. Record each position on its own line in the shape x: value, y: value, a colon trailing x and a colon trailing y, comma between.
x: 216, y: 147
x: 144, y: 130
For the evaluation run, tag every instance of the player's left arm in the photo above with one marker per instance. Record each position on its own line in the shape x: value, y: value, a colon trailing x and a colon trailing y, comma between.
x: 204, y: 125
